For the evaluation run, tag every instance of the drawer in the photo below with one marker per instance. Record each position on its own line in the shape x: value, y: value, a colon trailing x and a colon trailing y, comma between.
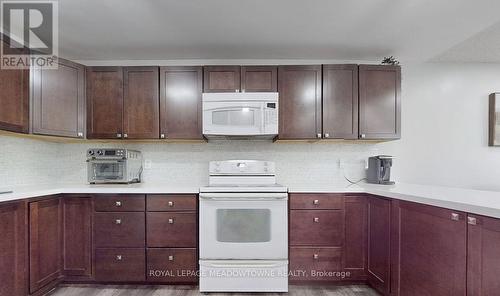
x: 171, y: 229
x: 167, y: 265
x: 316, y: 227
x: 171, y: 202
x: 120, y: 265
x: 119, y: 229
x: 322, y: 201
x: 119, y: 203
x: 309, y: 263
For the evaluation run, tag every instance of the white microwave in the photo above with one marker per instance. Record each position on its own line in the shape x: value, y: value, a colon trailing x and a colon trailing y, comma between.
x: 240, y: 114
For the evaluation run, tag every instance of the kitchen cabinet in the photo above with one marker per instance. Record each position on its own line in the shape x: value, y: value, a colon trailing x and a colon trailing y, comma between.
x: 355, y: 235
x: 379, y: 247
x: 14, y: 99
x: 45, y: 242
x: 13, y: 257
x: 104, y: 102
x: 240, y: 79
x: 483, y: 257
x: 119, y: 229
x: 172, y: 265
x: 120, y: 203
x: 430, y: 250
x: 300, y: 108
x: 180, y: 102
x: 340, y: 102
x: 54, y: 91
x: 172, y: 202
x: 141, y: 114
x: 379, y: 102
x: 120, y: 265
x: 77, y: 234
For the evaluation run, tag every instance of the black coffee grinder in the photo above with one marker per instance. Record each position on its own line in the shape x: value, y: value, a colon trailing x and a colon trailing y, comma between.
x: 379, y: 170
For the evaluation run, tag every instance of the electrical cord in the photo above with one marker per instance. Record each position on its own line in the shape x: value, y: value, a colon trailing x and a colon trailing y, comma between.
x: 354, y: 182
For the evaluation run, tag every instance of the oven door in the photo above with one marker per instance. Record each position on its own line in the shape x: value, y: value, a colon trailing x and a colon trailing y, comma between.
x: 107, y: 171
x: 243, y: 226
x: 238, y: 118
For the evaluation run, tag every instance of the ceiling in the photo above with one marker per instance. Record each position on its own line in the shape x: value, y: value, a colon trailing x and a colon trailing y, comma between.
x: 419, y: 30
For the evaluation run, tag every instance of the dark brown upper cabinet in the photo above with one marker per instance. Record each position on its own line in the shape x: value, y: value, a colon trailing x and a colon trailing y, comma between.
x: 58, y: 100
x: 221, y: 78
x: 259, y: 79
x: 104, y: 102
x: 340, y: 101
x: 14, y: 99
x: 180, y: 102
x: 141, y: 113
x: 240, y: 79
x: 299, y: 102
x: 379, y: 102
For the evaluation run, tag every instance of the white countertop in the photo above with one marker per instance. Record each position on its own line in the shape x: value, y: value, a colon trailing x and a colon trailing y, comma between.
x: 479, y: 202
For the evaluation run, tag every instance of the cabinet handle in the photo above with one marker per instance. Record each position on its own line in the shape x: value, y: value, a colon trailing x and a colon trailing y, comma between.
x: 162, y: 136
x: 170, y: 220
x: 471, y: 221
x: 118, y: 135
x: 316, y: 220
x: 243, y: 90
x: 236, y: 90
x: 170, y: 258
x: 170, y: 203
x: 118, y: 257
x: 362, y: 136
x: 455, y: 216
x: 118, y: 221
x: 318, y: 136
x: 118, y: 203
x: 316, y: 202
x: 80, y: 135
x: 315, y: 256
x: 125, y: 136
x: 327, y: 135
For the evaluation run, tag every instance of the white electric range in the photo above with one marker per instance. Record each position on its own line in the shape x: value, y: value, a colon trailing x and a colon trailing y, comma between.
x: 243, y: 229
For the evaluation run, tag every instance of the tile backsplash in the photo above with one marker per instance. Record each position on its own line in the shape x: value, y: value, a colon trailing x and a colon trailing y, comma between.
x: 30, y: 162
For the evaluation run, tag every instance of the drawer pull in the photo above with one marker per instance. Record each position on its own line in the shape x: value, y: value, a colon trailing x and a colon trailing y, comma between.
x: 170, y: 258
x: 315, y: 256
x: 316, y: 202
x: 118, y: 257
x: 472, y: 220
x: 118, y: 221
x: 170, y: 220
x: 118, y: 203
x: 316, y: 220
x: 170, y: 203
x: 455, y: 217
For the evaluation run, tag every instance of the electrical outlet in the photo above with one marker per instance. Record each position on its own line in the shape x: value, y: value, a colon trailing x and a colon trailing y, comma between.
x: 147, y: 164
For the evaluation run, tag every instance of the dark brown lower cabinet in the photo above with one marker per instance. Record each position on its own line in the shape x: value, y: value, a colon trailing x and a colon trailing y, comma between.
x: 77, y: 242
x: 119, y: 230
x: 45, y: 241
x: 430, y: 250
x: 171, y: 229
x: 13, y: 276
x: 483, y: 258
x: 354, y: 259
x: 120, y: 265
x: 379, y: 236
x: 316, y: 263
x: 172, y: 265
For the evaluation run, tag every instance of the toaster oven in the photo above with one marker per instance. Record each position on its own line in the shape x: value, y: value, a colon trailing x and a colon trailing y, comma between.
x: 114, y: 166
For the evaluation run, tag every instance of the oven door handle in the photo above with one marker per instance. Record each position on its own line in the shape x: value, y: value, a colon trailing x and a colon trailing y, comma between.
x: 244, y: 196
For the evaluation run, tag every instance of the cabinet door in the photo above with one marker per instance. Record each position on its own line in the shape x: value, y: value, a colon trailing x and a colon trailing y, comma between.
x: 379, y: 236
x: 141, y: 113
x: 340, y: 101
x: 221, y: 78
x: 104, y: 102
x: 483, y: 257
x: 13, y: 220
x: 45, y: 242
x: 431, y: 250
x: 14, y: 100
x: 77, y: 234
x: 259, y: 79
x: 55, y: 90
x: 299, y: 102
x: 180, y: 104
x: 354, y: 259
x: 379, y: 102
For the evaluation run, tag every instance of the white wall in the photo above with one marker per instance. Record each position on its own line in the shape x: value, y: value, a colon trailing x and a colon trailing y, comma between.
x: 445, y: 126
x: 444, y: 130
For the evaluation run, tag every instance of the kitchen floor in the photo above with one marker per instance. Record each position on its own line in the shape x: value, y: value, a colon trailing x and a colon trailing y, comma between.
x: 124, y: 290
